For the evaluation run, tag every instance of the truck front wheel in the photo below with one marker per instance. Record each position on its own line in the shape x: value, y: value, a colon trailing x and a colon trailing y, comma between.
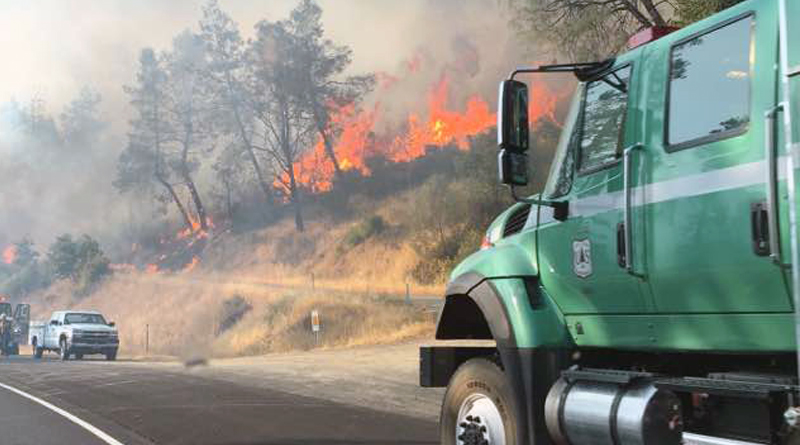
x: 478, y: 407
x: 63, y: 351
x: 111, y: 355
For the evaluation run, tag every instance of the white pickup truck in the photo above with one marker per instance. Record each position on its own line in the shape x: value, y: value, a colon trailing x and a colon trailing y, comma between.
x: 75, y: 332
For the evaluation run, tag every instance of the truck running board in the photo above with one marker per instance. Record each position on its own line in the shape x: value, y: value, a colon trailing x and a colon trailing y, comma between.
x: 724, y: 387
x: 699, y: 439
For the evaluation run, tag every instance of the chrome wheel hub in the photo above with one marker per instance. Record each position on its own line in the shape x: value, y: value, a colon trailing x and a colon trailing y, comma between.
x: 479, y: 422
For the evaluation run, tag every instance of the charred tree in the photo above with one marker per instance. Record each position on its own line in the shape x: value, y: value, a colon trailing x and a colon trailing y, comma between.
x: 285, y: 119
x: 320, y: 65
x: 230, y: 78
x: 143, y: 166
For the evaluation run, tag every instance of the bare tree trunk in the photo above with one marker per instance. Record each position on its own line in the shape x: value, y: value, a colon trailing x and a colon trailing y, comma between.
x: 652, y: 10
x: 171, y: 190
x: 198, y: 204
x: 331, y: 154
x: 294, y: 194
x: 160, y: 177
x: 187, y: 177
x: 286, y: 148
x: 633, y: 8
x: 262, y: 182
x: 228, y: 200
x: 326, y: 140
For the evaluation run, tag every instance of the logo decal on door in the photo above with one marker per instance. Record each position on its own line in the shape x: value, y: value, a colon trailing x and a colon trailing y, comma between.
x: 582, y: 258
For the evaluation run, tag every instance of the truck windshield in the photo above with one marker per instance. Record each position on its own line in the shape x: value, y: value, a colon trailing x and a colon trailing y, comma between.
x: 559, y: 181
x: 84, y: 319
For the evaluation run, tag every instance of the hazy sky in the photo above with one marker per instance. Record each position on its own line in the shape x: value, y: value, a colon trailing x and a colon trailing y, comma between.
x: 53, y: 47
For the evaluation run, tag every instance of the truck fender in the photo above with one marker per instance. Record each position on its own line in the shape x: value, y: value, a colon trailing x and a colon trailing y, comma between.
x: 473, y: 310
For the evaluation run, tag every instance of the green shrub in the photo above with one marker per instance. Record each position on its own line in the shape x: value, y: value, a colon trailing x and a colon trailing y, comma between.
x: 82, y: 261
x: 233, y: 309
x: 372, y: 226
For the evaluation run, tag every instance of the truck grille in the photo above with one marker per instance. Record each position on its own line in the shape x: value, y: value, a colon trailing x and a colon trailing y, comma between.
x: 94, y: 337
x: 516, y: 221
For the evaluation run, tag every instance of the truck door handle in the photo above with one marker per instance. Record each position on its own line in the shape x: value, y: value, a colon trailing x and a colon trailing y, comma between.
x: 626, y: 222
x: 773, y: 248
x: 621, y: 260
x: 759, y: 227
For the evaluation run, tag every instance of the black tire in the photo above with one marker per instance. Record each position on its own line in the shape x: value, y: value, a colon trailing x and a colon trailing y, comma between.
x: 78, y: 356
x: 63, y: 350
x: 15, y: 349
x: 111, y: 355
x: 477, y: 376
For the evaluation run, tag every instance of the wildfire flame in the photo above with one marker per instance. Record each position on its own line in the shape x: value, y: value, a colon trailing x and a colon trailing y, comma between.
x: 192, y: 265
x: 196, y: 229
x: 439, y: 126
x: 10, y: 254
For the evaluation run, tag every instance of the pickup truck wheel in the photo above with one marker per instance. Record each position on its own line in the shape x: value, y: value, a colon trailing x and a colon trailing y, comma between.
x: 78, y: 356
x: 63, y: 351
x: 111, y: 355
x: 478, y: 407
x: 36, y: 350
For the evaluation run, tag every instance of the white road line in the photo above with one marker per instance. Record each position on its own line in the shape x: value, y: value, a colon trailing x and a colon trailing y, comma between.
x: 74, y: 419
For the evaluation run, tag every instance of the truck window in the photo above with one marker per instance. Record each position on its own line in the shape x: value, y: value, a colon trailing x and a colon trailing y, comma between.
x: 77, y: 318
x: 559, y: 181
x: 604, y: 112
x: 709, y: 88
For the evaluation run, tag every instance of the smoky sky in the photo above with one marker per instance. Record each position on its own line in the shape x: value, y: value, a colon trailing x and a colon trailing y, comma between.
x: 53, y: 48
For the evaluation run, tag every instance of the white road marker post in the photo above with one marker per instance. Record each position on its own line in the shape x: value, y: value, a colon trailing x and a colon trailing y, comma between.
x: 315, y: 325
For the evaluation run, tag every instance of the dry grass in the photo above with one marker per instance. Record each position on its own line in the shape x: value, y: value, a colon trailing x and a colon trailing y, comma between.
x: 184, y: 313
x: 358, y: 290
x: 284, y: 325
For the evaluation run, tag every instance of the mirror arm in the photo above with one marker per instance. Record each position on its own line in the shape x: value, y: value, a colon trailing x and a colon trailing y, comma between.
x: 582, y: 71
x: 560, y: 208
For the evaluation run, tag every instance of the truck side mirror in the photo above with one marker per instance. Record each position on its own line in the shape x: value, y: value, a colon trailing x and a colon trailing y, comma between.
x: 513, y: 130
x: 112, y: 324
x: 512, y: 168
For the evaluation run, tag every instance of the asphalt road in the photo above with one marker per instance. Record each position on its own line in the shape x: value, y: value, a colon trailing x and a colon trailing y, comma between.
x: 140, y: 403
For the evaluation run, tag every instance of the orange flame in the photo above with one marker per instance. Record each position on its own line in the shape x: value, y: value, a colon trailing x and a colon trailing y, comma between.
x: 10, y: 254
x: 196, y: 229
x: 192, y: 265
x: 441, y: 126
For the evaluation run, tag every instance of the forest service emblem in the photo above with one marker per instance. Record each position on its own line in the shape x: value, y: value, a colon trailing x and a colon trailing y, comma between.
x: 582, y: 258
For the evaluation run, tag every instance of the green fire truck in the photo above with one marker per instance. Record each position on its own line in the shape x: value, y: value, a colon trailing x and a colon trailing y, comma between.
x: 649, y: 294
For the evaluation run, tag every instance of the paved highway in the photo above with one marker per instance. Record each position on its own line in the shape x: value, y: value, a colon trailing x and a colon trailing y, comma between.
x: 97, y: 402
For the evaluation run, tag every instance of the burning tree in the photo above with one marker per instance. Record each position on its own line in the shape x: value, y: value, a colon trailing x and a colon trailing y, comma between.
x: 323, y: 62
x: 189, y: 113
x: 230, y: 80
x: 144, y: 160
x: 285, y: 120
x: 172, y: 121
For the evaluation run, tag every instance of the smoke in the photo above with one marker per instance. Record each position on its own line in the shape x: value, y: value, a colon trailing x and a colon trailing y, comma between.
x: 53, y: 48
